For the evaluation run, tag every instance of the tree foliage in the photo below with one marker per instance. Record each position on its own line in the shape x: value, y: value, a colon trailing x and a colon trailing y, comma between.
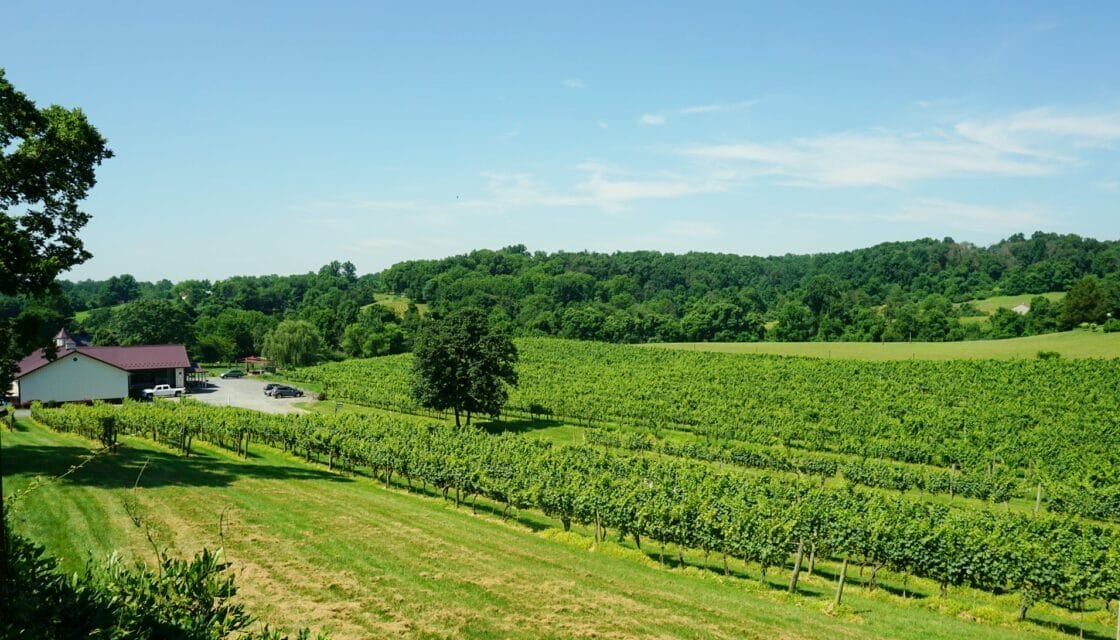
x: 47, y: 162
x: 144, y: 321
x: 294, y: 343
x: 461, y: 364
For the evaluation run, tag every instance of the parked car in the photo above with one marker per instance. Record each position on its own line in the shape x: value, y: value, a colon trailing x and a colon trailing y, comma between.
x: 284, y: 391
x: 270, y: 387
x: 233, y: 373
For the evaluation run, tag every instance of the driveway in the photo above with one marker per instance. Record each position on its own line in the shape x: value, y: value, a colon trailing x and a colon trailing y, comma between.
x: 247, y: 393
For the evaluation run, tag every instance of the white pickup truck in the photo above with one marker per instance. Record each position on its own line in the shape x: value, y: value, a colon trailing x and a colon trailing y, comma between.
x: 163, y: 391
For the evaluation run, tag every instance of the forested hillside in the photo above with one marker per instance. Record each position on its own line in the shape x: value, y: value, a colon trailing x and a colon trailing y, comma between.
x: 893, y: 291
x: 921, y: 290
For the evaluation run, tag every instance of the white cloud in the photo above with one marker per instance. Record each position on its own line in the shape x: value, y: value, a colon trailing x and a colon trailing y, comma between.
x: 659, y: 118
x: 574, y: 83
x: 602, y: 188
x: 873, y: 159
x: 952, y: 215
x: 718, y: 107
x: 1030, y: 143
x: 1029, y: 132
x: 602, y: 124
x: 514, y: 131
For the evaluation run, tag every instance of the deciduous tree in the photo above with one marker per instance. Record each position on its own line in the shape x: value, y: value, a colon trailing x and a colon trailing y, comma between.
x: 47, y: 162
x: 294, y: 343
x: 461, y: 364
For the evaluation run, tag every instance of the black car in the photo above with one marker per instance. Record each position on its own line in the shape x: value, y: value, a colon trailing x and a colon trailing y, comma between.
x: 233, y: 373
x: 270, y: 387
x: 283, y: 391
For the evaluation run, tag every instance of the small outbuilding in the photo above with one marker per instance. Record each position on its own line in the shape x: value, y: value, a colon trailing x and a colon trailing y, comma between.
x: 79, y: 373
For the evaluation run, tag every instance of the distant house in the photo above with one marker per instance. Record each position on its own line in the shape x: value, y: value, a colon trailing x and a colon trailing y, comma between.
x: 1022, y: 308
x: 80, y: 372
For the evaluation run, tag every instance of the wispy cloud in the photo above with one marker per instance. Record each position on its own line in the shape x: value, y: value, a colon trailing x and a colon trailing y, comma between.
x: 1032, y: 143
x: 662, y: 117
x: 717, y: 107
x: 601, y: 187
x: 514, y: 131
x: 574, y: 83
x: 1029, y: 132
x: 952, y: 215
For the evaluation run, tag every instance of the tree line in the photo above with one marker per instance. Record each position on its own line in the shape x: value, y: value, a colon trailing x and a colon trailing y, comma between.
x: 889, y: 292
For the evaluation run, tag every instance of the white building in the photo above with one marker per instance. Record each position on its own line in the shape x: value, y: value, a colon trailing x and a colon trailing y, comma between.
x: 82, y: 373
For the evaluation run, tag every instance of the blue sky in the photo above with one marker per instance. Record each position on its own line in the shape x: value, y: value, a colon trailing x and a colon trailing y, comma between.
x: 273, y: 137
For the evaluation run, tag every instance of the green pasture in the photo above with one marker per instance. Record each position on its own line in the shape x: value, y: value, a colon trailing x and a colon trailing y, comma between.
x: 1070, y: 344
x: 399, y: 304
x: 342, y: 553
x: 988, y: 306
x: 80, y: 316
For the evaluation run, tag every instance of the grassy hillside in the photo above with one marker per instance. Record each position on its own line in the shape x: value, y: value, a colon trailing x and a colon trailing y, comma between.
x: 80, y: 316
x: 1071, y: 344
x: 990, y: 305
x: 344, y: 554
x: 399, y: 304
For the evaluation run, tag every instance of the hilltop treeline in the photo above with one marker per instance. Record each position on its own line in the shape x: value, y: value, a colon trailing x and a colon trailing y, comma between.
x: 916, y: 290
x: 223, y: 319
x: 892, y: 291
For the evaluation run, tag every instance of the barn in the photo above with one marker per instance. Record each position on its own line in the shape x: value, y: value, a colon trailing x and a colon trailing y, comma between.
x: 82, y: 373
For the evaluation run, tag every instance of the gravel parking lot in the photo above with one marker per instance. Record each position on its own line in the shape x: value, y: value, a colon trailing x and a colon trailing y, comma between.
x: 247, y: 393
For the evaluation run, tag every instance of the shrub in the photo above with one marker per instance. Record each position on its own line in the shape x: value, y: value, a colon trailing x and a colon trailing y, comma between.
x: 185, y: 599
x: 1049, y: 355
x: 1112, y: 325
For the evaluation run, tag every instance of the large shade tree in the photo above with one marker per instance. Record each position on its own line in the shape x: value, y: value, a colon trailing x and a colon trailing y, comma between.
x: 47, y: 162
x: 294, y: 343
x: 461, y: 364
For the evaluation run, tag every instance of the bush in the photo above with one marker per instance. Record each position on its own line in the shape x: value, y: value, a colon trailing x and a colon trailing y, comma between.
x: 1113, y: 325
x: 1049, y: 355
x: 184, y: 599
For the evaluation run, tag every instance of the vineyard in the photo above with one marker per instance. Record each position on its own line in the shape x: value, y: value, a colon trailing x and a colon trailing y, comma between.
x: 1038, y: 431
x: 774, y: 526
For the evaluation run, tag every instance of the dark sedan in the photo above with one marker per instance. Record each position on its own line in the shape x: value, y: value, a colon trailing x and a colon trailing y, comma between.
x: 284, y: 391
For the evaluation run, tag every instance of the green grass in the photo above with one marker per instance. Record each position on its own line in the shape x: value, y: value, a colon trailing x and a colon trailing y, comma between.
x: 399, y: 304
x: 344, y: 554
x: 80, y: 316
x: 1070, y: 344
x: 989, y: 306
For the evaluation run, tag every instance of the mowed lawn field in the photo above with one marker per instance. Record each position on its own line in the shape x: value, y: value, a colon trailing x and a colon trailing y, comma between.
x: 345, y: 555
x: 1070, y: 344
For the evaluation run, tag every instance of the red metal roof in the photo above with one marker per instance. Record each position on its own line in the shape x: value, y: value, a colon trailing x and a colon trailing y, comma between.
x: 159, y: 356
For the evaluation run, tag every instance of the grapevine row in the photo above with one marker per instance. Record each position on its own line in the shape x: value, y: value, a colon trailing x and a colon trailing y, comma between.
x: 671, y: 501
